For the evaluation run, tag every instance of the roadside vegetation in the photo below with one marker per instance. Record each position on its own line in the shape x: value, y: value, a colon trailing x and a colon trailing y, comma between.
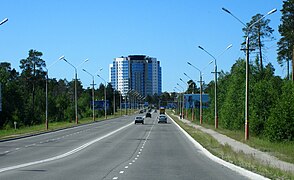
x: 238, y: 158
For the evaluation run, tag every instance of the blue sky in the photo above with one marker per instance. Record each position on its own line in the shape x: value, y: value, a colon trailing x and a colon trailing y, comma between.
x: 100, y: 30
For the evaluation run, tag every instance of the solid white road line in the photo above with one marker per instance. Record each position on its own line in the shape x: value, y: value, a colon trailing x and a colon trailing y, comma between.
x: 65, y: 154
x: 240, y: 170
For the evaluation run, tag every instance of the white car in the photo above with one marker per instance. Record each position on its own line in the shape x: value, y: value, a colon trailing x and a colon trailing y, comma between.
x: 139, y: 119
x: 162, y: 118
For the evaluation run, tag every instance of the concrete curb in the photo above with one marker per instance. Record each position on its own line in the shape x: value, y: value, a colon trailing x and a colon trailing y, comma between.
x: 216, y: 159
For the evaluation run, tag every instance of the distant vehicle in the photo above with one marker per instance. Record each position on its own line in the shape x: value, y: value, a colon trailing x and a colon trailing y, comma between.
x: 139, y: 119
x: 161, y: 110
x: 155, y: 110
x: 162, y: 119
x: 148, y: 115
x: 141, y: 111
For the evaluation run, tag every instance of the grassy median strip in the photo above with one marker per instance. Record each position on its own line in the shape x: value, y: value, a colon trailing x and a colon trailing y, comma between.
x: 22, y: 131
x: 238, y: 158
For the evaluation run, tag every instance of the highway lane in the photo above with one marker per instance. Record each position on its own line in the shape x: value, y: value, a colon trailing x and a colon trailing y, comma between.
x: 149, y: 151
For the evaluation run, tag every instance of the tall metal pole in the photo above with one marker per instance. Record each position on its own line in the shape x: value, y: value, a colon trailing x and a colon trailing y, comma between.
x: 93, y: 95
x: 76, y: 97
x: 113, y: 101
x: 120, y: 104
x: 247, y: 91
x: 93, y: 99
x: 215, y: 86
x: 76, y: 77
x: 105, y: 109
x: 46, y: 120
x: 200, y: 98
x: 46, y: 91
x: 215, y: 97
x: 248, y: 28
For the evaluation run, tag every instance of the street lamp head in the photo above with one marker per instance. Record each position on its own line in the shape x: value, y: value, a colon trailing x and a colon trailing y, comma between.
x: 98, y: 75
x: 86, y: 60
x: 210, y: 62
x: 185, y: 74
x: 227, y: 11
x: 181, y: 79
x: 62, y: 58
x: 200, y: 47
x: 272, y: 11
x: 229, y: 46
x: 84, y: 70
x: 189, y: 63
x: 4, y: 21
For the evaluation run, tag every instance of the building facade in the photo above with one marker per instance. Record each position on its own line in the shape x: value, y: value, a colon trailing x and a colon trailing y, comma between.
x: 139, y: 73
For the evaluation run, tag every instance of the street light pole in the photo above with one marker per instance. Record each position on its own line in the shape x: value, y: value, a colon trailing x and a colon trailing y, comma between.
x: 215, y: 86
x: 180, y: 103
x: 93, y: 93
x: 187, y: 89
x: 183, y: 98
x: 193, y: 92
x: 247, y: 65
x: 105, y: 109
x: 76, y: 77
x: 46, y: 91
x: 200, y: 75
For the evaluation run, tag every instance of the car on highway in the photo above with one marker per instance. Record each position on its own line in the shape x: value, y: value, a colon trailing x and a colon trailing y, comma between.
x: 139, y: 119
x: 148, y: 115
x: 162, y: 118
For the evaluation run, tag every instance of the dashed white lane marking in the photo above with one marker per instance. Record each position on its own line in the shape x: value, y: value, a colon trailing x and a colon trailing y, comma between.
x: 130, y: 163
x: 133, y: 161
x: 136, y: 158
x: 115, y: 178
x: 138, y: 155
x: 7, y: 152
x: 65, y: 154
x: 121, y: 172
x: 126, y: 167
x: 139, y: 152
x: 17, y: 149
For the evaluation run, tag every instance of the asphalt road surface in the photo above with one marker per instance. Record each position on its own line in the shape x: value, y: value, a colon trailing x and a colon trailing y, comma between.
x: 112, y: 149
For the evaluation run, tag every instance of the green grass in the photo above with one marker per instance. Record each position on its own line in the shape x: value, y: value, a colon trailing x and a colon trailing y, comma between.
x: 281, y: 150
x: 9, y: 133
x: 225, y: 152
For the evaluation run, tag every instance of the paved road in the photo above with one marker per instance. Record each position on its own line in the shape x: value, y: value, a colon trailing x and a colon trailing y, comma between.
x: 112, y: 149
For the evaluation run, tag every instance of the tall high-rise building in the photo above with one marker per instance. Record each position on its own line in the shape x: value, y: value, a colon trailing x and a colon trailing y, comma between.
x: 136, y: 72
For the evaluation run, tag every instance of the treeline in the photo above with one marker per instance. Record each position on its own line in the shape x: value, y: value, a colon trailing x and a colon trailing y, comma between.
x: 271, y: 102
x: 23, y: 95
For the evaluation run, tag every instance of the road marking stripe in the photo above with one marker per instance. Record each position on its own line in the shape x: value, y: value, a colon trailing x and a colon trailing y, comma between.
x: 115, y: 178
x: 65, y: 154
x: 121, y: 172
x: 240, y: 170
x: 126, y: 167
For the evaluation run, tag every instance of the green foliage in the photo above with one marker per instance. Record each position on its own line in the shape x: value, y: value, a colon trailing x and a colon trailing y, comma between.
x: 232, y: 109
x: 286, y: 43
x: 280, y: 125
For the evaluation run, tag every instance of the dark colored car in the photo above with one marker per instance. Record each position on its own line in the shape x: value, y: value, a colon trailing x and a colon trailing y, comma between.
x: 139, y: 119
x: 162, y: 119
x: 148, y: 115
x: 141, y: 111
